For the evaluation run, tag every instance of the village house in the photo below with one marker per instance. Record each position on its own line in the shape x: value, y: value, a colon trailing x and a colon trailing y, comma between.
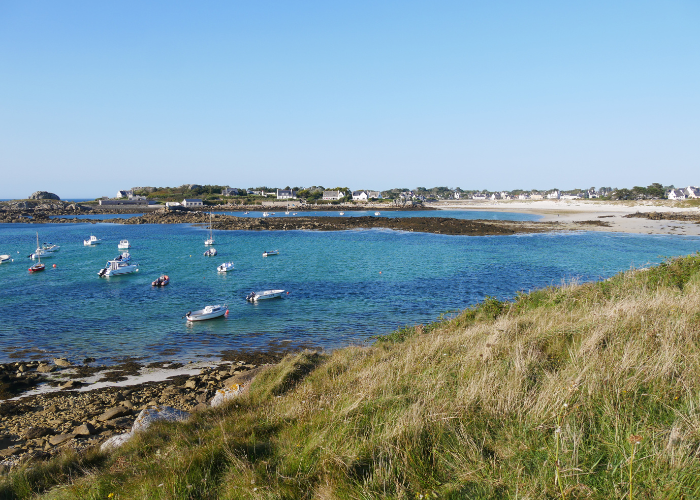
x: 554, y: 195
x: 229, y: 192
x: 286, y: 194
x: 478, y: 196
x: 374, y: 194
x: 523, y: 196
x: 456, y: 195
x: 359, y: 196
x: 676, y: 194
x: 192, y: 202
x: 125, y: 193
x: 333, y: 195
x: 692, y: 192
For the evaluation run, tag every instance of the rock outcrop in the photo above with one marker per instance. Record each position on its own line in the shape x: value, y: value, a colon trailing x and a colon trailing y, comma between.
x: 43, y: 195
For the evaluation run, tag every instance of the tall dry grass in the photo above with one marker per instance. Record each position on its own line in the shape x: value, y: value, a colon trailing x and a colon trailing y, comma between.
x: 579, y: 391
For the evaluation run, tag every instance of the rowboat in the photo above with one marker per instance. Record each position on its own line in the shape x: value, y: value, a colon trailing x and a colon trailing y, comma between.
x: 209, y: 312
x: 267, y: 294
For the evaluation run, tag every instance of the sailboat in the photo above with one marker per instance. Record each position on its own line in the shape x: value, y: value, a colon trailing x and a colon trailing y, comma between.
x: 38, y: 266
x: 210, y: 241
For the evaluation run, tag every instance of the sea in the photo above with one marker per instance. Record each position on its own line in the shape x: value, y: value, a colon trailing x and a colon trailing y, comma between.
x: 341, y: 287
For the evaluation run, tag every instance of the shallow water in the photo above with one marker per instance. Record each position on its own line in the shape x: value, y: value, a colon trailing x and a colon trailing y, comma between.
x: 344, y: 286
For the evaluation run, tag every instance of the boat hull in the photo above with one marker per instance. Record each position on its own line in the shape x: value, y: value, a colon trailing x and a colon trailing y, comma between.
x: 266, y: 295
x: 206, y: 313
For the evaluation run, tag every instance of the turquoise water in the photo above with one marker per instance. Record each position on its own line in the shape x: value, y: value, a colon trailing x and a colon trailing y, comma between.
x: 343, y: 287
x: 452, y: 214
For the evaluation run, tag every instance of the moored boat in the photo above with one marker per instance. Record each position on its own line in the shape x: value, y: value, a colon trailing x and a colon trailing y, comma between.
x: 161, y: 281
x: 377, y: 213
x: 210, y: 240
x: 267, y: 294
x: 225, y: 267
x: 92, y: 241
x: 208, y: 312
x: 38, y: 267
x: 210, y: 253
x: 270, y: 253
x: 5, y: 258
x: 116, y: 268
x: 124, y: 244
x: 51, y: 247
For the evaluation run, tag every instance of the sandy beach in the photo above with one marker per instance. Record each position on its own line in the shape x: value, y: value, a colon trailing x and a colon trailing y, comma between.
x: 611, y: 212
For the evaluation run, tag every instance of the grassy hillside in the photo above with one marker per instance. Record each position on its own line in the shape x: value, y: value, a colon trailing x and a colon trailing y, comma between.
x: 581, y: 391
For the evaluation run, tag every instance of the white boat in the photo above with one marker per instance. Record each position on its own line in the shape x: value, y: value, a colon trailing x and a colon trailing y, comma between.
x: 342, y: 213
x: 40, y: 252
x: 377, y: 213
x: 124, y: 244
x: 5, y: 258
x: 269, y: 253
x: 117, y: 267
x: 50, y: 247
x: 225, y: 267
x: 210, y: 253
x: 287, y: 212
x: 210, y: 240
x: 123, y: 257
x: 91, y: 241
x: 267, y: 294
x: 265, y: 214
x: 209, y: 312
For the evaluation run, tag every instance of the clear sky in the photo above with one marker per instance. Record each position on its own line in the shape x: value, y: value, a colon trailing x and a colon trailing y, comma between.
x: 100, y: 96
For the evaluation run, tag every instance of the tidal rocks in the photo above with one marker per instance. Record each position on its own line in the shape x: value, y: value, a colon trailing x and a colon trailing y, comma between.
x: 43, y: 195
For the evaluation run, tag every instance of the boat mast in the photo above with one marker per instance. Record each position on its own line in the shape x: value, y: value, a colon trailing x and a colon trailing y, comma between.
x: 38, y: 253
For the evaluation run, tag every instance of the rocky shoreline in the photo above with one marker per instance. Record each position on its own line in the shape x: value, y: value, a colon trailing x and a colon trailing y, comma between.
x: 679, y: 216
x: 84, y: 409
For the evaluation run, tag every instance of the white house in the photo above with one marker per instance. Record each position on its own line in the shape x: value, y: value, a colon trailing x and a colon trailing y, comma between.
x: 676, y: 194
x: 570, y: 196
x: 125, y: 193
x: 333, y: 195
x: 173, y: 204
x: 523, y: 196
x: 505, y: 195
x: 593, y: 194
x: 554, y: 195
x: 192, y: 202
x: 456, y: 195
x: 374, y: 194
x: 495, y: 196
x: 478, y: 196
x: 359, y: 196
x: 286, y: 194
x: 692, y: 192
x: 536, y: 196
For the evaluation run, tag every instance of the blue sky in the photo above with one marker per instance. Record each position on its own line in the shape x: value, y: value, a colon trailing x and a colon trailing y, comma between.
x: 100, y: 96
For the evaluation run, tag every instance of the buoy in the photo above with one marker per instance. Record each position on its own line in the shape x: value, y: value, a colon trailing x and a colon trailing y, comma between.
x: 226, y: 314
x: 54, y: 266
x: 380, y: 272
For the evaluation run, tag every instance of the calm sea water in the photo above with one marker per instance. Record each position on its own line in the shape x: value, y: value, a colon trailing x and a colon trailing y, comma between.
x: 343, y: 287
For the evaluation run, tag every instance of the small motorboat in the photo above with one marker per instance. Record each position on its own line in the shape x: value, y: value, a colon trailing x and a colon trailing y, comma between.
x: 342, y: 213
x: 40, y: 252
x: 161, y: 281
x: 270, y: 253
x: 5, y: 258
x: 209, y: 312
x: 124, y: 244
x: 287, y: 212
x: 225, y: 267
x: 116, y: 268
x: 210, y: 253
x: 267, y: 294
x: 377, y: 213
x: 50, y: 247
x: 92, y: 241
x: 246, y: 213
x: 265, y: 214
